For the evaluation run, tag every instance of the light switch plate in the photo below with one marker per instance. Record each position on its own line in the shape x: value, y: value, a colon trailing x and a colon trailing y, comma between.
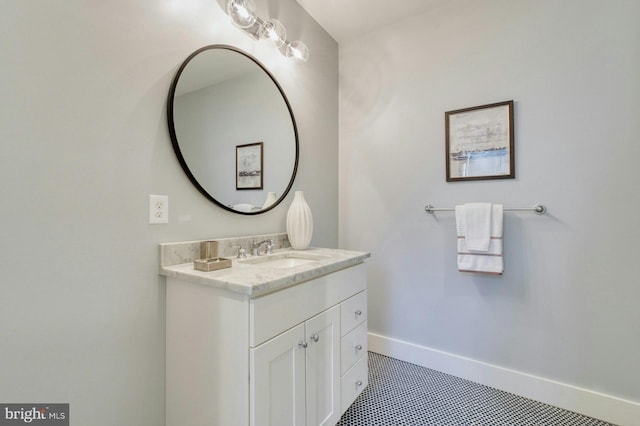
x: 158, y: 209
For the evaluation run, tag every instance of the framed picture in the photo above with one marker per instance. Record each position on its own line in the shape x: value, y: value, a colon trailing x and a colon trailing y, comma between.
x: 249, y: 166
x: 479, y: 142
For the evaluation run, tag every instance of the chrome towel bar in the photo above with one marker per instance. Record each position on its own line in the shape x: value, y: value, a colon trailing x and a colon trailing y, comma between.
x: 537, y: 209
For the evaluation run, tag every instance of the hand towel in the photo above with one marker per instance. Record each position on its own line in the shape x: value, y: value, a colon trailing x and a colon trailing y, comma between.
x: 477, y: 225
x: 496, y: 220
x: 486, y: 261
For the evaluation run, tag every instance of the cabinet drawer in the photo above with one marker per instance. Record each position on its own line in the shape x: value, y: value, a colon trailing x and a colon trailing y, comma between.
x: 354, y: 382
x: 353, y: 347
x: 353, y: 312
x: 276, y: 312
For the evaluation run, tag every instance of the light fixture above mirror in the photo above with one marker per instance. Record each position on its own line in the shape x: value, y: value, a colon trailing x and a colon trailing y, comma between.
x: 243, y: 15
x: 273, y: 30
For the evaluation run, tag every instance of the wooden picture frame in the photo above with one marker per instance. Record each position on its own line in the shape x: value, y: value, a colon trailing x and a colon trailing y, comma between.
x: 249, y: 166
x: 479, y: 142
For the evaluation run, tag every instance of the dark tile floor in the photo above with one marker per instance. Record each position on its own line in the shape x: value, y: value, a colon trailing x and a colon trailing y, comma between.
x: 400, y: 393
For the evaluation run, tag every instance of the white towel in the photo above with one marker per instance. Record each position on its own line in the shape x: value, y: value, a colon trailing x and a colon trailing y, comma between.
x: 245, y: 207
x: 476, y: 220
x: 490, y: 259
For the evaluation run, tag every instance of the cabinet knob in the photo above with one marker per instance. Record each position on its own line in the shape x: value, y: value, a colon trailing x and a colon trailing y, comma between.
x: 315, y: 337
x: 358, y: 347
x: 358, y: 312
x: 358, y: 383
x: 303, y: 344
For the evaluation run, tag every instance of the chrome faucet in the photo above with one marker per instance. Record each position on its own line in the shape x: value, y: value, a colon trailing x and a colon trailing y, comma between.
x: 242, y: 253
x: 256, y: 247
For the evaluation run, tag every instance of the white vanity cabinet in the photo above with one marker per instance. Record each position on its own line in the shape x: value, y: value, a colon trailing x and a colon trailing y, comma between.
x: 296, y: 356
x: 295, y: 377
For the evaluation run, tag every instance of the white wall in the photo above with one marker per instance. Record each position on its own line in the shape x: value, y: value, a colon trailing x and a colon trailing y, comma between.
x: 84, y: 141
x: 566, y: 308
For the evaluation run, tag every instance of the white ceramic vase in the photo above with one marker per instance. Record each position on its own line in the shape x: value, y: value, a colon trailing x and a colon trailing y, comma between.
x: 271, y: 198
x: 299, y: 222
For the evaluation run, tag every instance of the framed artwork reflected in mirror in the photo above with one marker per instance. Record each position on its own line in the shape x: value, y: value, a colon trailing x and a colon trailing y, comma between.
x: 249, y: 166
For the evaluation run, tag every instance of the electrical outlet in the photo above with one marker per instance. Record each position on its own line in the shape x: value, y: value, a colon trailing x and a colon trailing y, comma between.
x: 158, y: 209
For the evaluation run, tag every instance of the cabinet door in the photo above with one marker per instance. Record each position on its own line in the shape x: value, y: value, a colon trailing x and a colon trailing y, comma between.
x: 323, y: 368
x: 278, y: 380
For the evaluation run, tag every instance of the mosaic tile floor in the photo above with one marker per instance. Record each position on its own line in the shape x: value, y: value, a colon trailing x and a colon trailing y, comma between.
x: 403, y: 394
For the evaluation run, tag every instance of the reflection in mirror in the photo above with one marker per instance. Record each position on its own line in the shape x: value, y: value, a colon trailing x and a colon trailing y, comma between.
x: 222, y: 99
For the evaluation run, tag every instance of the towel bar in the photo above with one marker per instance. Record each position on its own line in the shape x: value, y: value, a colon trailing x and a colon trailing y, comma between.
x: 537, y: 209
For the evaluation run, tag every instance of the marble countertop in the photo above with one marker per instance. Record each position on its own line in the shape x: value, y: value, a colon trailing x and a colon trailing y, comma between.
x: 258, y: 279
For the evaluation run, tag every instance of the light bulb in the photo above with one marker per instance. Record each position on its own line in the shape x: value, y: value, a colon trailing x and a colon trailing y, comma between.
x: 242, y: 12
x: 298, y: 51
x: 273, y: 30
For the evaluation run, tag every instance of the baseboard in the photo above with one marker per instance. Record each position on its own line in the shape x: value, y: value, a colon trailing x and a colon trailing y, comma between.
x: 579, y: 400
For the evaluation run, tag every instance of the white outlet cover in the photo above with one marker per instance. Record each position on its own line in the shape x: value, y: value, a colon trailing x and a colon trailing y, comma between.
x: 158, y: 209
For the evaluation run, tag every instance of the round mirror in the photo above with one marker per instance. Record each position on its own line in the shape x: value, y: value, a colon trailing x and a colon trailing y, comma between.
x: 233, y: 130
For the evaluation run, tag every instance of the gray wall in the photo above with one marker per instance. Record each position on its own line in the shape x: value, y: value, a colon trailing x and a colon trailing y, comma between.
x: 84, y: 141
x: 567, y: 306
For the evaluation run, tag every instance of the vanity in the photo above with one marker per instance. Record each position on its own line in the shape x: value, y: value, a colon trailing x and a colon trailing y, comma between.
x: 275, y: 339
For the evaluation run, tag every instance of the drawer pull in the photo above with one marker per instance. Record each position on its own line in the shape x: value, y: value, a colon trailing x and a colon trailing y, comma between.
x: 315, y: 337
x: 358, y: 347
x: 358, y: 383
x: 358, y: 312
x: 303, y: 344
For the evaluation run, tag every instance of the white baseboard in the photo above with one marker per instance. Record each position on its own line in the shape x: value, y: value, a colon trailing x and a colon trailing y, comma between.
x: 594, y: 404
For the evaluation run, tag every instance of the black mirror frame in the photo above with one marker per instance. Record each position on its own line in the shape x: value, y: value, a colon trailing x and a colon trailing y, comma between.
x: 174, y: 138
